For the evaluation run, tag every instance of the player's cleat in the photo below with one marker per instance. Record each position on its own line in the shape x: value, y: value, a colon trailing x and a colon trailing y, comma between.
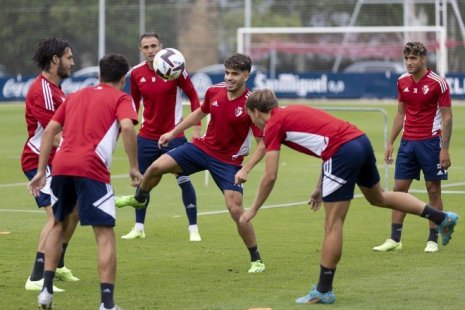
x: 115, y: 307
x: 431, y: 247
x: 194, y: 236
x: 256, y: 266
x: 65, y: 274
x: 128, y: 201
x: 45, y: 300
x: 315, y: 297
x: 38, y: 285
x: 446, y: 228
x: 388, y: 245
x: 134, y: 234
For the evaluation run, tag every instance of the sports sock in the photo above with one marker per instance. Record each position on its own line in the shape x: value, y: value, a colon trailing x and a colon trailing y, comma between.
x: 433, y: 215
x: 61, y: 263
x: 139, y: 226
x: 106, y: 293
x: 433, y: 235
x: 325, y: 282
x: 38, y: 270
x: 254, y: 254
x: 141, y: 195
x: 141, y: 212
x: 188, y: 198
x: 396, y: 232
x: 48, y: 281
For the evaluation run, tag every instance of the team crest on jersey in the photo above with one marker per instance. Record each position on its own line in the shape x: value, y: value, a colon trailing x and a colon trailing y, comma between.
x: 238, y: 111
x: 425, y: 89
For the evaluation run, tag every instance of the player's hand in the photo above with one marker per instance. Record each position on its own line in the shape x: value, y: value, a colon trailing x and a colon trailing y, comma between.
x: 136, y: 177
x: 247, y: 216
x: 240, y: 177
x: 36, y: 184
x: 444, y: 159
x: 315, y: 200
x: 388, y: 154
x: 165, y: 139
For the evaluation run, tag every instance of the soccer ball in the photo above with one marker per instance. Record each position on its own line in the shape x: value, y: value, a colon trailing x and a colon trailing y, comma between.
x: 169, y: 63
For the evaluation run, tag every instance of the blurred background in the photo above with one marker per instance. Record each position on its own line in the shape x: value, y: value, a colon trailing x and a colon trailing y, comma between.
x: 206, y: 31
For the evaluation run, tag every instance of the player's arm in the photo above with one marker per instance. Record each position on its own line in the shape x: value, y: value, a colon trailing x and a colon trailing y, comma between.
x: 397, y: 126
x: 135, y: 92
x: 315, y: 197
x: 265, y: 187
x: 130, y: 146
x: 191, y: 120
x: 257, y: 155
x: 188, y: 88
x: 38, y: 182
x: 444, y: 157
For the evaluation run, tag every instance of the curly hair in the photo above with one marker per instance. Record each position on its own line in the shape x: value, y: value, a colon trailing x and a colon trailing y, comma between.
x: 47, y: 48
x: 415, y: 48
x: 239, y: 62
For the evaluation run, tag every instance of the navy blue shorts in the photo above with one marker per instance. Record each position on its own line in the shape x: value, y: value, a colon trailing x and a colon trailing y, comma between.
x: 192, y: 159
x: 95, y: 200
x: 43, y: 200
x: 417, y: 155
x: 353, y: 163
x: 148, y: 150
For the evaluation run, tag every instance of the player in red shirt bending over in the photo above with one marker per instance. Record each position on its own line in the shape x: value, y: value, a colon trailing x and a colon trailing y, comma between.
x: 221, y: 151
x: 348, y: 159
x: 162, y: 111
x: 424, y: 113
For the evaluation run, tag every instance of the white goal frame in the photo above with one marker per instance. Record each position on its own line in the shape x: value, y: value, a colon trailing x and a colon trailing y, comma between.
x: 243, y: 42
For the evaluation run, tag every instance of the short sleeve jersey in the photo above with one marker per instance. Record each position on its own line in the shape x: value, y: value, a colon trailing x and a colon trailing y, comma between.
x: 423, y: 100
x: 162, y: 100
x: 229, y: 132
x: 307, y: 130
x: 90, y: 119
x: 42, y: 100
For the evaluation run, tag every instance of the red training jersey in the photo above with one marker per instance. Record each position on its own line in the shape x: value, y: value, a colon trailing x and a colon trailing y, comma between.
x: 229, y: 132
x: 307, y: 130
x: 423, y: 100
x: 42, y: 100
x: 162, y: 105
x: 90, y: 119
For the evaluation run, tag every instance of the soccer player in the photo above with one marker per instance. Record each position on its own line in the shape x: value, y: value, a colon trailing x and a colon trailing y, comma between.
x: 348, y: 159
x: 220, y: 151
x: 90, y: 119
x: 54, y: 56
x: 162, y: 110
x: 424, y: 113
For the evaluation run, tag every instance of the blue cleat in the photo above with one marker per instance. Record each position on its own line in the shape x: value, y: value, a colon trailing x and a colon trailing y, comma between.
x: 315, y: 297
x: 446, y: 228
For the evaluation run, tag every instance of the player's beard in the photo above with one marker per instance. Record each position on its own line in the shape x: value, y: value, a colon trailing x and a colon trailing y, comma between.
x: 62, y: 72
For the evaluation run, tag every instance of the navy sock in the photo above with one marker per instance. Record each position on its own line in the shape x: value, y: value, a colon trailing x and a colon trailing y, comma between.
x: 396, y: 232
x: 188, y: 198
x: 433, y: 235
x: 254, y: 254
x: 106, y: 292
x: 325, y: 284
x: 48, y: 281
x: 38, y: 270
x: 141, y: 196
x: 61, y: 263
x: 433, y: 215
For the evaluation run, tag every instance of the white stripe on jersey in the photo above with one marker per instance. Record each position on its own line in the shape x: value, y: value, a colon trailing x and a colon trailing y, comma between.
x: 246, y: 145
x: 315, y: 143
x: 221, y: 84
x: 442, y: 82
x: 178, y: 107
x: 47, y: 92
x: 331, y: 183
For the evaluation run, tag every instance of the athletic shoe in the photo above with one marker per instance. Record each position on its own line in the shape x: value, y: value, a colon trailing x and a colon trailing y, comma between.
x: 431, y: 247
x: 388, y: 245
x: 194, y: 236
x: 134, y: 234
x: 124, y: 201
x: 257, y: 266
x: 45, y: 300
x: 38, y: 285
x: 115, y: 307
x: 315, y: 297
x: 446, y: 228
x: 65, y: 274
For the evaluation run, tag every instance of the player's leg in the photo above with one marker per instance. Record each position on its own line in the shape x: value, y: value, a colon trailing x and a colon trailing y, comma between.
x: 62, y: 272
x: 106, y: 263
x: 434, y: 196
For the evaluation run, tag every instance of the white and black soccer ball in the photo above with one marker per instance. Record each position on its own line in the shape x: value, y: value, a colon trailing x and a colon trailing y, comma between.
x: 169, y: 63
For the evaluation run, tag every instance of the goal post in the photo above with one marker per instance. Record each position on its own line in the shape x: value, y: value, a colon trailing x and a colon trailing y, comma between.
x: 407, y: 33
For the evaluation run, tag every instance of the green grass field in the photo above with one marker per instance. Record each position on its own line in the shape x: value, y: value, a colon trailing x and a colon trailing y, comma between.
x: 166, y: 271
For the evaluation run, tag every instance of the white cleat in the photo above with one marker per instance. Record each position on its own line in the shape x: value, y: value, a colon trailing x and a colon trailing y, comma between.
x: 388, y: 245
x: 431, y: 247
x: 45, y: 300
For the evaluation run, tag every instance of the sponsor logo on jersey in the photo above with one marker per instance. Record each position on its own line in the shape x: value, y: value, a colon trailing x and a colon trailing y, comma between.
x: 425, y: 89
